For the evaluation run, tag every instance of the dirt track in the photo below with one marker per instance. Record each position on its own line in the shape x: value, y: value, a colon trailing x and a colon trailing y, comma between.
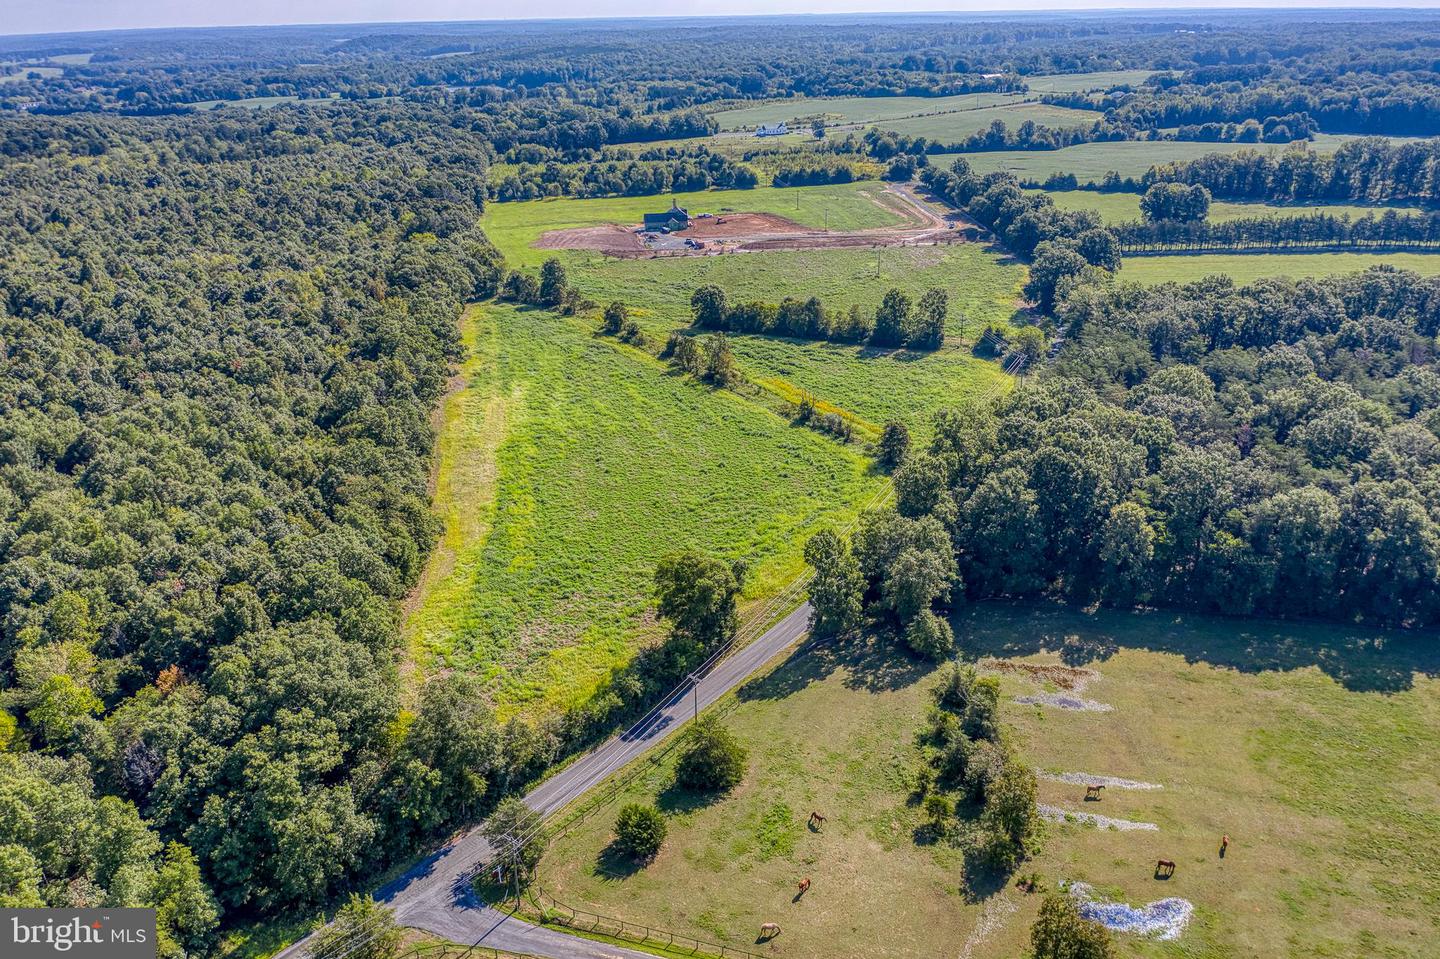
x: 756, y: 232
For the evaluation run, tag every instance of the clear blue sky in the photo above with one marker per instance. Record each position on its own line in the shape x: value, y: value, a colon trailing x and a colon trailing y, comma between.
x: 54, y: 16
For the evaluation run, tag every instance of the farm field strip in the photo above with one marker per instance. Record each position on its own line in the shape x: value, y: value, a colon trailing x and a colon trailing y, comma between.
x: 1129, y: 158
x: 1247, y: 267
x: 856, y: 110
x: 1117, y: 208
x: 608, y: 462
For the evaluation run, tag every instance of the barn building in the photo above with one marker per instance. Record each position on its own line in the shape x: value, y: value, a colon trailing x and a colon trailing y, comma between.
x: 772, y: 130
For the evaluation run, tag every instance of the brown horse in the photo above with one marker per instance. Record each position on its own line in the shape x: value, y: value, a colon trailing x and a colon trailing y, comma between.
x: 1164, y: 868
x: 1093, y: 792
x: 769, y: 931
x: 804, y: 887
x: 1224, y: 845
x: 816, y: 819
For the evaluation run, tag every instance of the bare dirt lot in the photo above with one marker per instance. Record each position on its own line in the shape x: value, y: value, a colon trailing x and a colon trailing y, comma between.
x: 756, y: 232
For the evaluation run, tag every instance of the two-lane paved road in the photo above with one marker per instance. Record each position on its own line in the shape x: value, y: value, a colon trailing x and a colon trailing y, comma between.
x: 435, y: 895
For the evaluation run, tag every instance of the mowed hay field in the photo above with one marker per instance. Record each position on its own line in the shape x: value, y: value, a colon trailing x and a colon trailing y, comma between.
x: 1247, y: 267
x: 947, y: 128
x: 603, y: 462
x: 1085, y: 82
x: 855, y: 109
x: 1125, y: 207
x: 1308, y: 745
x: 1091, y: 161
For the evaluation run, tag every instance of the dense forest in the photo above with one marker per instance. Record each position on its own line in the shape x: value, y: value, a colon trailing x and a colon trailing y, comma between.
x: 218, y: 353
x: 1268, y: 449
x: 1370, y: 171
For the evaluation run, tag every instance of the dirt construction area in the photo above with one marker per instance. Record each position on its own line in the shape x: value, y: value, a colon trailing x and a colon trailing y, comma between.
x: 758, y: 232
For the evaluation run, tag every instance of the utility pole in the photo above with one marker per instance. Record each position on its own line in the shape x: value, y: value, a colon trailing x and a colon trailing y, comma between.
x: 695, y: 695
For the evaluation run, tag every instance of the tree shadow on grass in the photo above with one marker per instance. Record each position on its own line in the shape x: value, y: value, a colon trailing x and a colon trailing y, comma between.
x: 982, y: 881
x: 1362, y: 659
x: 872, y: 661
x: 614, y: 864
x: 676, y: 800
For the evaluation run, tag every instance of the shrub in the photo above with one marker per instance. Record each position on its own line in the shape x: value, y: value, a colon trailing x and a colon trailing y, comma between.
x: 711, y: 760
x: 639, y: 831
x: 1060, y: 932
x: 930, y: 636
x: 615, y: 317
x: 630, y: 333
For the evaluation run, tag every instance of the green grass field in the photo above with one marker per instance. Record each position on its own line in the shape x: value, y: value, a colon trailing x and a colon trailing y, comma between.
x: 602, y: 462
x: 1085, y: 82
x: 984, y: 289
x: 1125, y: 207
x: 854, y: 109
x: 570, y: 463
x: 1307, y: 745
x: 1091, y: 161
x: 515, y: 227
x: 953, y: 127
x: 1247, y: 267
x: 25, y: 70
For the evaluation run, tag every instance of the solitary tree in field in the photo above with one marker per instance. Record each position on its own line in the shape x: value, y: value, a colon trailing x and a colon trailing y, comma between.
x: 1060, y: 932
x: 711, y: 759
x: 639, y: 831
x: 720, y: 366
x: 615, y: 317
x: 838, y: 589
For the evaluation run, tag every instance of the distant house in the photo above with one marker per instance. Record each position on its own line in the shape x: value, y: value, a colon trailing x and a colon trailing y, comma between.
x: 772, y: 130
x: 675, y: 218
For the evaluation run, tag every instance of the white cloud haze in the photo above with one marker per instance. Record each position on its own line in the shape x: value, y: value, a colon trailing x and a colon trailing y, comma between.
x: 54, y: 16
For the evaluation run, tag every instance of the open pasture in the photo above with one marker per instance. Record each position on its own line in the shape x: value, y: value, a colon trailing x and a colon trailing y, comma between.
x: 852, y: 110
x: 1247, y: 267
x: 1125, y: 207
x: 603, y: 461
x: 955, y: 126
x: 1085, y: 82
x: 1305, y: 744
x: 873, y: 386
x: 1091, y: 161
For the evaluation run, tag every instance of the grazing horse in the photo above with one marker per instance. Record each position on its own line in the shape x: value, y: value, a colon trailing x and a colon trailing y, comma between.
x: 770, y: 930
x: 1165, y: 867
x: 1093, y: 792
x: 816, y: 819
x: 804, y: 887
x: 1224, y: 845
